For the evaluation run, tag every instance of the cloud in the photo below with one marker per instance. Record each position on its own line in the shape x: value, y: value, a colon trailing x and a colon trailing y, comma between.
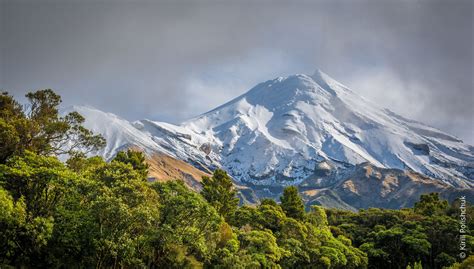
x: 173, y: 60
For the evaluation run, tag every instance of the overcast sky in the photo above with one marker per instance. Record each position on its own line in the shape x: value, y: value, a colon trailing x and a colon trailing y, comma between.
x: 174, y: 60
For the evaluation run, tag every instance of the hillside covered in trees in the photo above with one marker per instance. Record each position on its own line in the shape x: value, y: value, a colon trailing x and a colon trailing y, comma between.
x: 88, y: 213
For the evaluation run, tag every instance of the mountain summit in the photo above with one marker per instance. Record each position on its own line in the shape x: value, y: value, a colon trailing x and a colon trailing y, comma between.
x: 283, y: 131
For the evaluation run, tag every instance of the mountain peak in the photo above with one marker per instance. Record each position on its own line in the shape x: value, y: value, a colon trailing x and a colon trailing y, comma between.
x: 280, y: 130
x: 285, y: 91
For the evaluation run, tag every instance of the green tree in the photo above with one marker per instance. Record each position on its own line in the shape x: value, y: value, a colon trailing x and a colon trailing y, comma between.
x: 396, y: 246
x: 440, y: 231
x: 317, y: 216
x: 40, y: 128
x: 36, y: 185
x: 261, y: 247
x: 246, y: 215
x: 292, y: 204
x: 219, y: 191
x: 270, y: 216
x: 12, y: 220
x: 189, y: 229
x: 107, y: 220
x: 134, y: 158
x: 294, y: 238
x: 79, y: 163
x: 40, y: 180
x: 431, y: 204
x: 444, y: 260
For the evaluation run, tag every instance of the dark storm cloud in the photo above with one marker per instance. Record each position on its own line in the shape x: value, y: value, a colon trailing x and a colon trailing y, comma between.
x: 173, y: 60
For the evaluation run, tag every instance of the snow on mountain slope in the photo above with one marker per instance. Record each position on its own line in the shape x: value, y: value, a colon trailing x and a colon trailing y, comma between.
x: 280, y: 130
x: 152, y: 137
x: 118, y: 132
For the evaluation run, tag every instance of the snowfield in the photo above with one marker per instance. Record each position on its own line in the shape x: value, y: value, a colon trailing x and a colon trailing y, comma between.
x: 282, y: 129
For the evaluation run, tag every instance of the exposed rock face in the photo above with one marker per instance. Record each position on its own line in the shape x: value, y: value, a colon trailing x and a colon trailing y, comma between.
x: 364, y: 186
x: 206, y: 148
x: 418, y: 149
x: 323, y: 169
x: 369, y: 186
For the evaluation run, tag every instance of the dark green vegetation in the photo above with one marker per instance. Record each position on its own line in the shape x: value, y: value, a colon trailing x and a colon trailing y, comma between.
x: 89, y: 213
x: 428, y: 233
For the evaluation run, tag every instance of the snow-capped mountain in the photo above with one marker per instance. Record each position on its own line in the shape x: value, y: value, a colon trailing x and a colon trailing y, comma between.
x: 281, y: 131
